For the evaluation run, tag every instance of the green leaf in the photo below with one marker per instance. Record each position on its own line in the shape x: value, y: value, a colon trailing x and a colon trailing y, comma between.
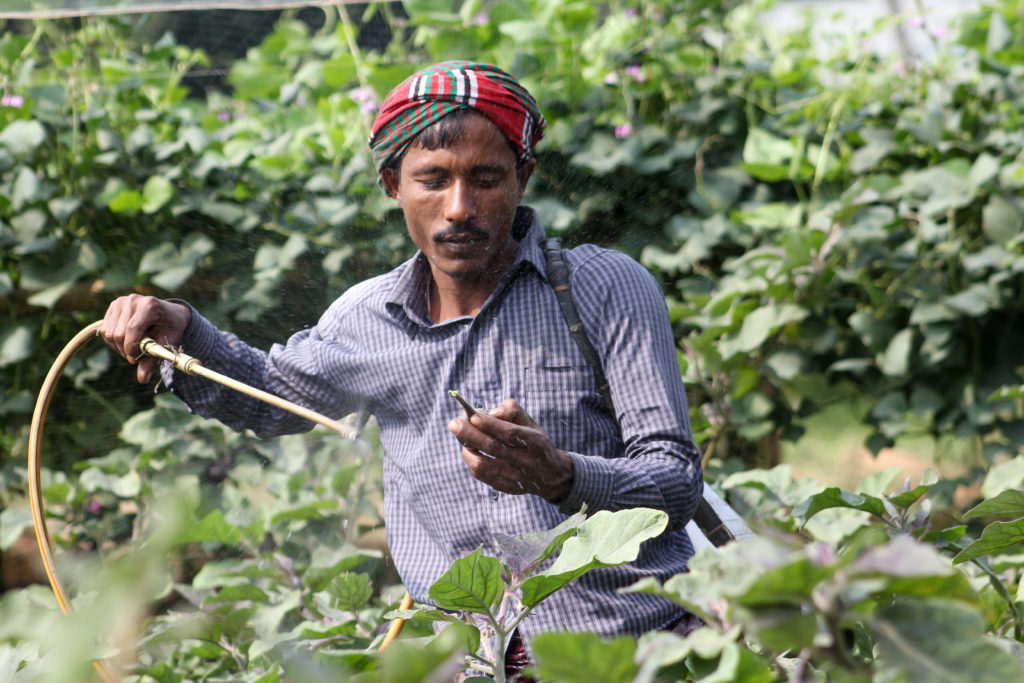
x: 327, y: 563
x: 584, y: 658
x: 1007, y: 504
x: 127, y: 202
x: 762, y: 147
x: 1003, y: 476
x: 996, y: 537
x: 26, y: 189
x: 402, y: 662
x: 339, y: 71
x: 779, y: 627
x: 528, y: 31
x: 605, y: 540
x: 351, y: 591
x: 895, y: 361
x: 907, y: 498
x: 127, y: 486
x: 973, y: 301
x: 525, y: 553
x: 985, y: 168
x: 473, y: 583
x: 835, y: 497
x: 13, y: 521
x: 1002, y: 220
x: 1000, y: 35
x: 238, y: 593
x: 771, y: 216
x: 760, y: 324
x: 779, y: 481
x: 16, y: 344
x: 13, y: 656
x: 156, y: 193
x: 769, y: 173
x: 903, y: 557
x: 213, y: 528
x: 306, y: 511
x: 21, y: 137
x: 790, y: 583
x: 62, y: 281
x: 941, y: 640
x: 218, y: 573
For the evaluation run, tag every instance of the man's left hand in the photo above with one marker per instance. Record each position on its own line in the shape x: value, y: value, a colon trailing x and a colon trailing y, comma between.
x: 508, y: 451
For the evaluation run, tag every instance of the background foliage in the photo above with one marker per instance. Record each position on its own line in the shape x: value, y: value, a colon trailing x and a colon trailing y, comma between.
x: 830, y: 227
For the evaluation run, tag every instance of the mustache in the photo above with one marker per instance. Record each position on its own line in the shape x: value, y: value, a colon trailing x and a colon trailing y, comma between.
x: 459, y: 231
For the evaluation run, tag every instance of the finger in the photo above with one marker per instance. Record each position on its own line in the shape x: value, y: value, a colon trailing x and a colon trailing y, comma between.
x: 467, y: 435
x: 146, y: 367
x: 509, y: 435
x: 143, y: 319
x: 511, y: 411
x: 112, y: 329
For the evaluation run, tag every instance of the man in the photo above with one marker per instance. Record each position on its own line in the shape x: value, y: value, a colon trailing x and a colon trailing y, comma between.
x: 474, y: 311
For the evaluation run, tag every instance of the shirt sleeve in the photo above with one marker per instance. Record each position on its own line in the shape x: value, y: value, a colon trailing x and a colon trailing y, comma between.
x: 295, y: 372
x: 627, y: 321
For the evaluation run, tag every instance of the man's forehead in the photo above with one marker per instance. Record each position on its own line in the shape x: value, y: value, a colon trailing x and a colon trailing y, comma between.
x: 477, y: 142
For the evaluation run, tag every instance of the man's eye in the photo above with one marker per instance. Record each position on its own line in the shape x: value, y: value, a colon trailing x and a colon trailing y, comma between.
x: 433, y: 184
x: 488, y: 182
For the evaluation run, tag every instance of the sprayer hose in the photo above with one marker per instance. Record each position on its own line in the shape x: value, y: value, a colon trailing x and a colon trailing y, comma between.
x: 185, y: 363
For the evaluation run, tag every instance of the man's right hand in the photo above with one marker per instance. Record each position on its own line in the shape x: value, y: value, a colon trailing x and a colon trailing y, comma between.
x: 132, y: 318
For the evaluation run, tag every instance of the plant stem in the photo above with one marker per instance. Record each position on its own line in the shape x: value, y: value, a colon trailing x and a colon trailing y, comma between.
x: 1000, y: 588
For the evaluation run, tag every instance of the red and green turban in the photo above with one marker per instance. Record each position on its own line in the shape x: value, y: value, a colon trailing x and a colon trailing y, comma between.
x: 429, y: 95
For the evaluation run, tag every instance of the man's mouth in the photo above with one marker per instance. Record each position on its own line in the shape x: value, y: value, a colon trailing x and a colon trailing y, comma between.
x: 461, y: 235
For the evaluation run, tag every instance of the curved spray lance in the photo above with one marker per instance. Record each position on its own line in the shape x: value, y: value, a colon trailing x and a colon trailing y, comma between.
x: 185, y: 363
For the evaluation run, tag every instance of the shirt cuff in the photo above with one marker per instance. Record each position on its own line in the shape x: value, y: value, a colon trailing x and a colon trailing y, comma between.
x: 199, y: 340
x: 593, y: 485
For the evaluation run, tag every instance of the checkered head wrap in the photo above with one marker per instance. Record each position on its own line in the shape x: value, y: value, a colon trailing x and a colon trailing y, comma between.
x: 429, y: 95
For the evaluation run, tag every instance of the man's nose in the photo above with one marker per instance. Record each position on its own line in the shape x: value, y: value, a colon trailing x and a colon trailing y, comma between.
x: 460, y: 204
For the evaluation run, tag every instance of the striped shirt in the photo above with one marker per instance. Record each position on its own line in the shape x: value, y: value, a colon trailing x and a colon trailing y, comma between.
x: 376, y: 348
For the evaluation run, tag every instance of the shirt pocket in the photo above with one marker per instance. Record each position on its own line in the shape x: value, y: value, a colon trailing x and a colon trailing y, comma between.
x: 559, y: 378
x: 563, y: 399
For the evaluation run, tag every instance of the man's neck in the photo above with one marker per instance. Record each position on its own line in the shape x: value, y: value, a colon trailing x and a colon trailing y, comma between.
x: 451, y: 297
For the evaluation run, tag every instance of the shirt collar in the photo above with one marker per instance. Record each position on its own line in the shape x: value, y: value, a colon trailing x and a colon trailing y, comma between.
x: 409, y: 293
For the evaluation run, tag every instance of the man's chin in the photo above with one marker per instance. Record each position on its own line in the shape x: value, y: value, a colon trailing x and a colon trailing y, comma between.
x: 465, y: 271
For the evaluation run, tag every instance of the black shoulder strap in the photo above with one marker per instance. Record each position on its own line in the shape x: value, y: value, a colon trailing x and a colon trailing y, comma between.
x: 558, y: 275
x: 719, y: 522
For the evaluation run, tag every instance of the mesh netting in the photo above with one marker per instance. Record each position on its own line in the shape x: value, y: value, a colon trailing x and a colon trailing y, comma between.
x: 45, y: 9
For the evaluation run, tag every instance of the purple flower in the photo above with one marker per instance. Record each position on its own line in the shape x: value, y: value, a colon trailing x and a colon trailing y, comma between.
x: 224, y: 116
x: 481, y: 19
x: 821, y: 554
x: 12, y: 100
x: 612, y: 78
x: 636, y: 73
x: 363, y: 94
x: 94, y: 507
x: 367, y: 98
x: 916, y: 22
x: 630, y: 13
x: 623, y: 131
x: 939, y: 32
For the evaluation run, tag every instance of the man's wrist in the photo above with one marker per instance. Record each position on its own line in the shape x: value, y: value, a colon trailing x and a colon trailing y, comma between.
x: 563, y: 486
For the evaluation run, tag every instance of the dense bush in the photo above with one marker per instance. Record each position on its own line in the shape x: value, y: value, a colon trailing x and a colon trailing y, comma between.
x: 829, y: 226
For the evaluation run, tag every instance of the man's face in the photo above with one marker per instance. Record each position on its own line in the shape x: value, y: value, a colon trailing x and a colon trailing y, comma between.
x: 459, y: 201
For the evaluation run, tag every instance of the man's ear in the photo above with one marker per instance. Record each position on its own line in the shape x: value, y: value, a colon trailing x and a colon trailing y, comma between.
x: 389, y: 176
x: 524, y: 172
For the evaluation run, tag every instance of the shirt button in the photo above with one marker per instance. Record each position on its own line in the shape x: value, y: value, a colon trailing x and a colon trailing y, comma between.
x: 494, y: 494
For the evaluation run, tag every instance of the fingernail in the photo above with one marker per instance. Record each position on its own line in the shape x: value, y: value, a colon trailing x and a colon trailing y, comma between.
x: 453, y: 426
